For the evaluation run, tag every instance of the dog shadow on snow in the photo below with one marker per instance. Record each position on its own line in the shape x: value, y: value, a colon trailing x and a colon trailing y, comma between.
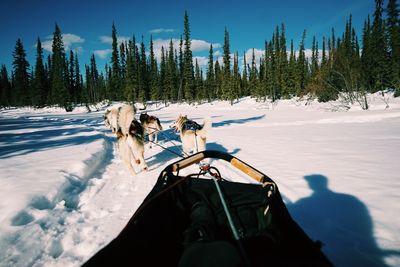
x: 172, y: 149
x: 341, y: 222
x: 237, y: 121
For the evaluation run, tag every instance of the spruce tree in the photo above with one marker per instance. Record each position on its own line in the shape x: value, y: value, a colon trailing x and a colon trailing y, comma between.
x: 154, y: 87
x: 210, y: 77
x: 172, y: 74
x: 188, y: 72
x: 71, y: 76
x: 218, y: 79
x: 236, y: 80
x: 366, y: 56
x: 115, y: 81
x: 226, y: 78
x: 283, y: 62
x: 302, y: 66
x: 292, y: 73
x: 180, y: 64
x: 20, y: 94
x: 59, y: 94
x: 40, y: 89
x: 143, y: 89
x: 131, y: 74
x: 163, y: 75
x: 379, y: 66
x: 245, y: 86
x: 77, y: 80
x: 393, y: 24
x: 5, y: 87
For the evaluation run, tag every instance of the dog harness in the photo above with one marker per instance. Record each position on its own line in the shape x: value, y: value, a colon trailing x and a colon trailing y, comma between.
x: 191, y: 125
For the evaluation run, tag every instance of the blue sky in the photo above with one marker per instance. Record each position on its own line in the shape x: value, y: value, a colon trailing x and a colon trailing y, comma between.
x: 87, y: 24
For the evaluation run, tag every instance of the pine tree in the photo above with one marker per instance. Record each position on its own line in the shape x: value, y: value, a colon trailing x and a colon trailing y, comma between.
x: 253, y: 80
x: 143, y: 89
x: 218, y: 79
x: 20, y: 94
x: 379, y: 67
x: 172, y: 75
x: 245, y: 85
x: 5, y: 87
x: 210, y: 77
x: 115, y: 79
x: 40, y: 89
x: 314, y: 57
x: 77, y: 80
x: 198, y: 85
x: 283, y: 62
x: 163, y: 75
x: 131, y: 73
x: 226, y: 68
x: 122, y: 53
x: 154, y: 89
x: 236, y: 80
x: 292, y: 73
x: 188, y: 72
x: 180, y: 64
x: 393, y: 23
x: 302, y: 66
x: 366, y: 56
x: 59, y: 94
x: 71, y: 77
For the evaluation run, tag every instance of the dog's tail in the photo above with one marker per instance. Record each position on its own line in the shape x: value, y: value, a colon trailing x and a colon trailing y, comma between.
x: 159, y: 127
x: 206, y: 128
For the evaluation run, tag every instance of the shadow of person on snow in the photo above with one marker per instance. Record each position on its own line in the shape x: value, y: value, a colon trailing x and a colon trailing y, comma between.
x: 341, y: 221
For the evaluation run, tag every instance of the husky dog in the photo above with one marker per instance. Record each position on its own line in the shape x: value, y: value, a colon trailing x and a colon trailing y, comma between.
x: 193, y: 135
x: 125, y: 152
x: 151, y: 125
x: 135, y: 141
x: 125, y: 118
x: 111, y: 118
x: 119, y: 117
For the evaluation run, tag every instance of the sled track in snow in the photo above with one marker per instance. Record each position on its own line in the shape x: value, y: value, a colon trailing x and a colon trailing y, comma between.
x: 44, y: 219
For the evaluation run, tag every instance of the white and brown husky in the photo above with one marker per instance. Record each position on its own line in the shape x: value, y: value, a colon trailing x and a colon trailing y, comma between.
x: 119, y: 117
x: 151, y: 125
x: 131, y: 147
x: 193, y: 135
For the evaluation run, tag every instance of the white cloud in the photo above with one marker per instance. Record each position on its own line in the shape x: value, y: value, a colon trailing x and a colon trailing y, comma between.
x: 201, y: 45
x: 108, y: 40
x: 68, y: 39
x: 161, y: 30
x: 102, y: 53
x: 217, y: 53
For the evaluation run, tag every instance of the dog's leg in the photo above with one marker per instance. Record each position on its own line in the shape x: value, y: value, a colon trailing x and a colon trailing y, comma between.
x: 143, y: 163
x: 150, y: 140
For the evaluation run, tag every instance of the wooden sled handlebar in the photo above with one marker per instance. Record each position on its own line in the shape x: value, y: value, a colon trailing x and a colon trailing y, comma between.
x: 237, y: 163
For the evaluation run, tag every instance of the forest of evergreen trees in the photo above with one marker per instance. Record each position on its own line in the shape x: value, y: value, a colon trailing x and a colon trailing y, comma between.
x: 341, y: 64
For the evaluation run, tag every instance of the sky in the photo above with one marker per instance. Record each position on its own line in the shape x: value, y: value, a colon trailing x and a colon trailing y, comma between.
x: 86, y: 25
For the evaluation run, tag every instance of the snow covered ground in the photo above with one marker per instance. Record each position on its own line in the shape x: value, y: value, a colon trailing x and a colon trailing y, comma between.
x: 65, y: 193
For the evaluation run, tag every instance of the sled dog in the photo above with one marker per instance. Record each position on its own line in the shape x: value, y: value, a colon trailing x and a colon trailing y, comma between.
x: 193, y: 135
x: 135, y: 141
x: 111, y: 118
x: 125, y: 118
x: 125, y: 153
x: 151, y: 125
x: 119, y: 117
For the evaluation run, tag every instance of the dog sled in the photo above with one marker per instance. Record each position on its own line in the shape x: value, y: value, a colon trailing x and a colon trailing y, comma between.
x: 202, y: 219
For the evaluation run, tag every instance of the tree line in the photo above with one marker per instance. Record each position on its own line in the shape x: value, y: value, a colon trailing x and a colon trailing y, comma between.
x: 341, y: 64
